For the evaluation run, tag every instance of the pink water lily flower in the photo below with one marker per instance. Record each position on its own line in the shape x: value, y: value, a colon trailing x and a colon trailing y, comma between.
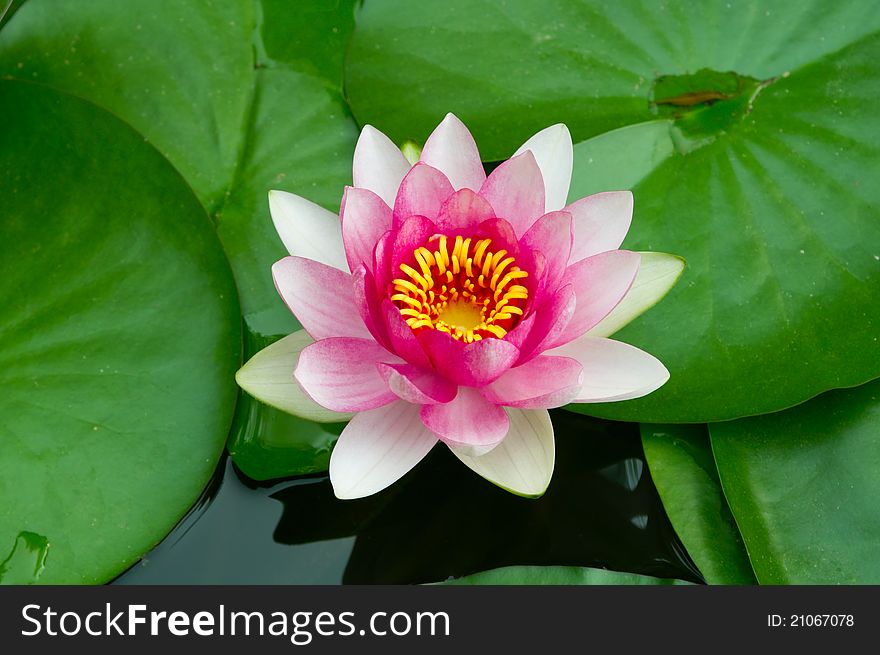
x: 454, y: 307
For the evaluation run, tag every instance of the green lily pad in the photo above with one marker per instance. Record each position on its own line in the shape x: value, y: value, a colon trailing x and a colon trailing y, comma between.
x: 803, y: 485
x: 764, y: 182
x: 683, y: 469
x: 7, y: 9
x: 121, y: 335
x: 241, y: 99
x: 308, y: 35
x: 558, y: 575
x: 223, y: 92
x: 510, y: 69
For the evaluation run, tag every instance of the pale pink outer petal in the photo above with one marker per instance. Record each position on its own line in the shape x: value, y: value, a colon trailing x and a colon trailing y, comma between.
x: 551, y: 235
x: 516, y: 192
x: 365, y: 218
x: 307, y: 230
x: 546, y: 325
x: 542, y: 383
x: 417, y: 385
x: 522, y: 463
x: 378, y: 164
x: 658, y: 273
x: 554, y: 153
x: 472, y: 364
x: 377, y: 448
x: 599, y: 223
x: 422, y: 193
x: 321, y: 297
x: 452, y: 150
x: 268, y: 377
x: 340, y: 374
x: 463, y: 210
x: 613, y: 370
x: 600, y: 282
x: 469, y: 422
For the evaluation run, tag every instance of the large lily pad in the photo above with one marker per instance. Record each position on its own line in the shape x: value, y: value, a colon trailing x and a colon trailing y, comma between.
x: 683, y: 469
x: 759, y: 169
x: 803, y: 486
x: 222, y: 91
x: 241, y: 99
x: 120, y: 338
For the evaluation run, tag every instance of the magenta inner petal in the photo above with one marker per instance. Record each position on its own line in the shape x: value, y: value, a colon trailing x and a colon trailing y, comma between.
x: 403, y: 340
x: 462, y: 211
x: 422, y: 193
x: 472, y: 364
x: 417, y: 385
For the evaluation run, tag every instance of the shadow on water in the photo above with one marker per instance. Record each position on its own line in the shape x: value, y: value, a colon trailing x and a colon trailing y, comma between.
x: 440, y: 521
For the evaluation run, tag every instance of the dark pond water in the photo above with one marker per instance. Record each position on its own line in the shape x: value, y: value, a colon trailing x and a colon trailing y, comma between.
x: 440, y: 521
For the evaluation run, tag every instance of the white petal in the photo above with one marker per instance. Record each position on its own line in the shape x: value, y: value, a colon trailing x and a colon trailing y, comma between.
x: 523, y: 462
x: 657, y: 274
x: 377, y: 448
x: 452, y: 150
x: 613, y: 370
x: 268, y: 377
x: 378, y: 164
x: 308, y: 230
x: 599, y: 223
x: 553, y: 151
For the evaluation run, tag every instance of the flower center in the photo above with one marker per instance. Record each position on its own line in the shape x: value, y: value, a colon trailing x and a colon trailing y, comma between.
x: 470, y: 293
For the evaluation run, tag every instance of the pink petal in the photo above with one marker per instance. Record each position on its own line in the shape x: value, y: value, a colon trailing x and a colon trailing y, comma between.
x: 463, y: 210
x: 473, y: 364
x: 403, y: 340
x: 305, y: 287
x: 422, y: 193
x: 550, y: 321
x: 542, y: 383
x: 413, y: 232
x: 612, y: 370
x: 554, y: 153
x: 534, y: 262
x: 452, y: 150
x: 552, y: 236
x: 600, y: 222
x: 382, y: 262
x: 502, y: 234
x: 367, y: 302
x: 365, y: 218
x: 516, y: 191
x: 600, y: 282
x: 378, y: 164
x: 377, y: 448
x: 341, y: 374
x: 307, y: 230
x: 417, y: 385
x: 268, y: 377
x: 468, y: 422
x: 518, y: 335
x: 658, y: 273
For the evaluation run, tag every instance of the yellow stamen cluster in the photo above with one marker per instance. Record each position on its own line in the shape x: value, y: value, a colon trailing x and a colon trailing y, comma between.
x: 470, y: 293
